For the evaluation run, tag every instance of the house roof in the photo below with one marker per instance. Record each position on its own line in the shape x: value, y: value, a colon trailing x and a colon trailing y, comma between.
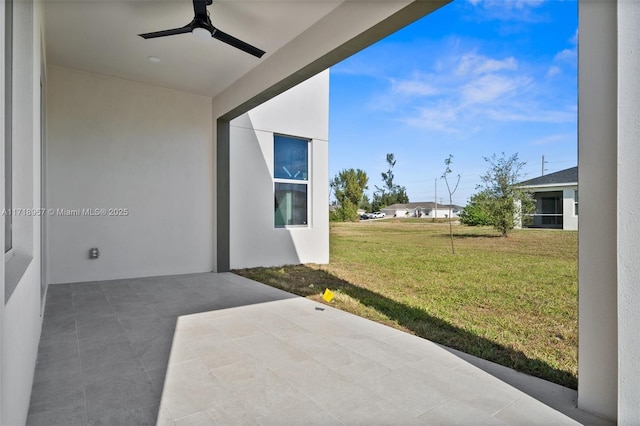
x: 423, y: 204
x: 561, y: 177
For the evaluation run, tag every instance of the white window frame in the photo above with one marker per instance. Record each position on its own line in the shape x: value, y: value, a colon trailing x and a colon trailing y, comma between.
x: 306, y: 182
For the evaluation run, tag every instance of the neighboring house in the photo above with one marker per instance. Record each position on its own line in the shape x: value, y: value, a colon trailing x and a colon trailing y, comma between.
x: 423, y: 209
x: 556, y: 198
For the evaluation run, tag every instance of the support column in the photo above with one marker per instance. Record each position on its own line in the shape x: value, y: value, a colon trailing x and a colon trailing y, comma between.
x: 597, y: 159
x: 222, y: 195
x: 609, y: 158
x: 628, y: 213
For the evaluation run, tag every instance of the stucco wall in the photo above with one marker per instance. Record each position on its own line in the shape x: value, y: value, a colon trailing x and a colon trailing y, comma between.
x: 115, y: 144
x: 569, y: 217
x: 609, y: 318
x: 628, y: 212
x: 302, y: 111
x: 21, y: 321
x: 599, y: 192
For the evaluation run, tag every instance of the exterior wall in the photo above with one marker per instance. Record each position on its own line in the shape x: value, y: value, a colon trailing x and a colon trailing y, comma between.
x: 21, y: 320
x: 347, y: 29
x: 569, y: 217
x: 441, y: 213
x: 608, y: 318
x: 628, y: 234
x: 118, y: 144
x: 302, y: 111
x: 597, y: 157
x: 395, y: 212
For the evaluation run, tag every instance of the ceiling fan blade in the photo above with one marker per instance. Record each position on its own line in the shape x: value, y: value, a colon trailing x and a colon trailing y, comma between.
x: 165, y: 33
x: 239, y: 44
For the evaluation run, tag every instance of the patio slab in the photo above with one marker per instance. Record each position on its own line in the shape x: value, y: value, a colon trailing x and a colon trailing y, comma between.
x: 206, y: 349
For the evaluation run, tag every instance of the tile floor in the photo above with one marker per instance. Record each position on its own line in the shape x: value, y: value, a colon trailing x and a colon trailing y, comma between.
x: 208, y: 349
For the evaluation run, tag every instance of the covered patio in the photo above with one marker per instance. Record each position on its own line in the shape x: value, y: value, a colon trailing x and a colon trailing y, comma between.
x: 204, y: 349
x: 98, y: 119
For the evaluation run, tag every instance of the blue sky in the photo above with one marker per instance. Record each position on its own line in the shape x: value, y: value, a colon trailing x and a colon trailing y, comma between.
x: 474, y: 78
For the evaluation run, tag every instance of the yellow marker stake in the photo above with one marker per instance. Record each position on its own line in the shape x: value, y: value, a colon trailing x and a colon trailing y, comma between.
x: 328, y: 295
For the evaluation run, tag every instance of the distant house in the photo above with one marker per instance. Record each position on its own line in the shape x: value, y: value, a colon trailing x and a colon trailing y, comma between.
x: 423, y: 209
x: 556, y: 197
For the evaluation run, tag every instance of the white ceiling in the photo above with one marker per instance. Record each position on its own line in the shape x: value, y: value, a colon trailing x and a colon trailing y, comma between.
x: 100, y: 36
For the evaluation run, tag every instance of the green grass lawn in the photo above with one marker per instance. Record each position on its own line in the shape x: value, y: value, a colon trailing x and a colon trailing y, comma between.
x: 508, y: 300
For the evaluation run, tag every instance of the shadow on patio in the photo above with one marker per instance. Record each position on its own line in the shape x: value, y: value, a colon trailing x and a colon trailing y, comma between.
x: 305, y: 281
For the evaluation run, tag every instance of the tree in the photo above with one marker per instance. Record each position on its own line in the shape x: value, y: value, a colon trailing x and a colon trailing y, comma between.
x: 390, y: 193
x: 505, y: 202
x: 448, y: 171
x: 365, y: 203
x: 476, y: 213
x: 348, y: 187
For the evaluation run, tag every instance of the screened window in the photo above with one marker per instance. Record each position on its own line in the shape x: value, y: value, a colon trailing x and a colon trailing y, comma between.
x: 575, y: 202
x: 291, y: 181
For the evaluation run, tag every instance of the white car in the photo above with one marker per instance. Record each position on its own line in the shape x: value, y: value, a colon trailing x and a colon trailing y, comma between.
x: 378, y: 215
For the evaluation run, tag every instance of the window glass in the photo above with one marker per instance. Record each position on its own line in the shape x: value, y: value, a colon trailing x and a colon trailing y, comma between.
x: 290, y: 158
x: 290, y: 204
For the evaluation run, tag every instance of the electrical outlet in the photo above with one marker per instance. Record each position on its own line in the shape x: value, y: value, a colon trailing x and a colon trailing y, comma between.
x: 94, y: 253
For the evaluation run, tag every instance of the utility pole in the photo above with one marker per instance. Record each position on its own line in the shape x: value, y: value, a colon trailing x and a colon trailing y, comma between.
x: 435, y: 197
x: 543, y: 163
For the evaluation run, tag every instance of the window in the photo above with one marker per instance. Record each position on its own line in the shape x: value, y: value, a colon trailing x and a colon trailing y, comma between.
x: 552, y: 211
x: 575, y: 202
x: 291, y: 181
x: 8, y: 124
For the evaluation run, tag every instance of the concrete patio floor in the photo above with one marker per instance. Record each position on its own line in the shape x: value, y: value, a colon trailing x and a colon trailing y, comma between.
x: 207, y: 349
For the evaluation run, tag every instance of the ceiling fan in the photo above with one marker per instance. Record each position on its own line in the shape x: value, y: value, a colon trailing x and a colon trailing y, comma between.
x: 202, y: 27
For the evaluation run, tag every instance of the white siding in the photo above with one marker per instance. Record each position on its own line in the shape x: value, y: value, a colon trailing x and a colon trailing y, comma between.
x: 302, y: 111
x: 118, y: 144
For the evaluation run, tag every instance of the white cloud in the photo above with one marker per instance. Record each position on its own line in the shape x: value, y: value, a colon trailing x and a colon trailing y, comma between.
x: 553, y: 71
x: 466, y: 92
x: 442, y: 117
x: 509, y: 10
x: 490, y: 88
x: 532, y: 114
x: 472, y: 63
x: 508, y: 4
x: 566, y: 55
x: 574, y: 38
x: 412, y: 87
